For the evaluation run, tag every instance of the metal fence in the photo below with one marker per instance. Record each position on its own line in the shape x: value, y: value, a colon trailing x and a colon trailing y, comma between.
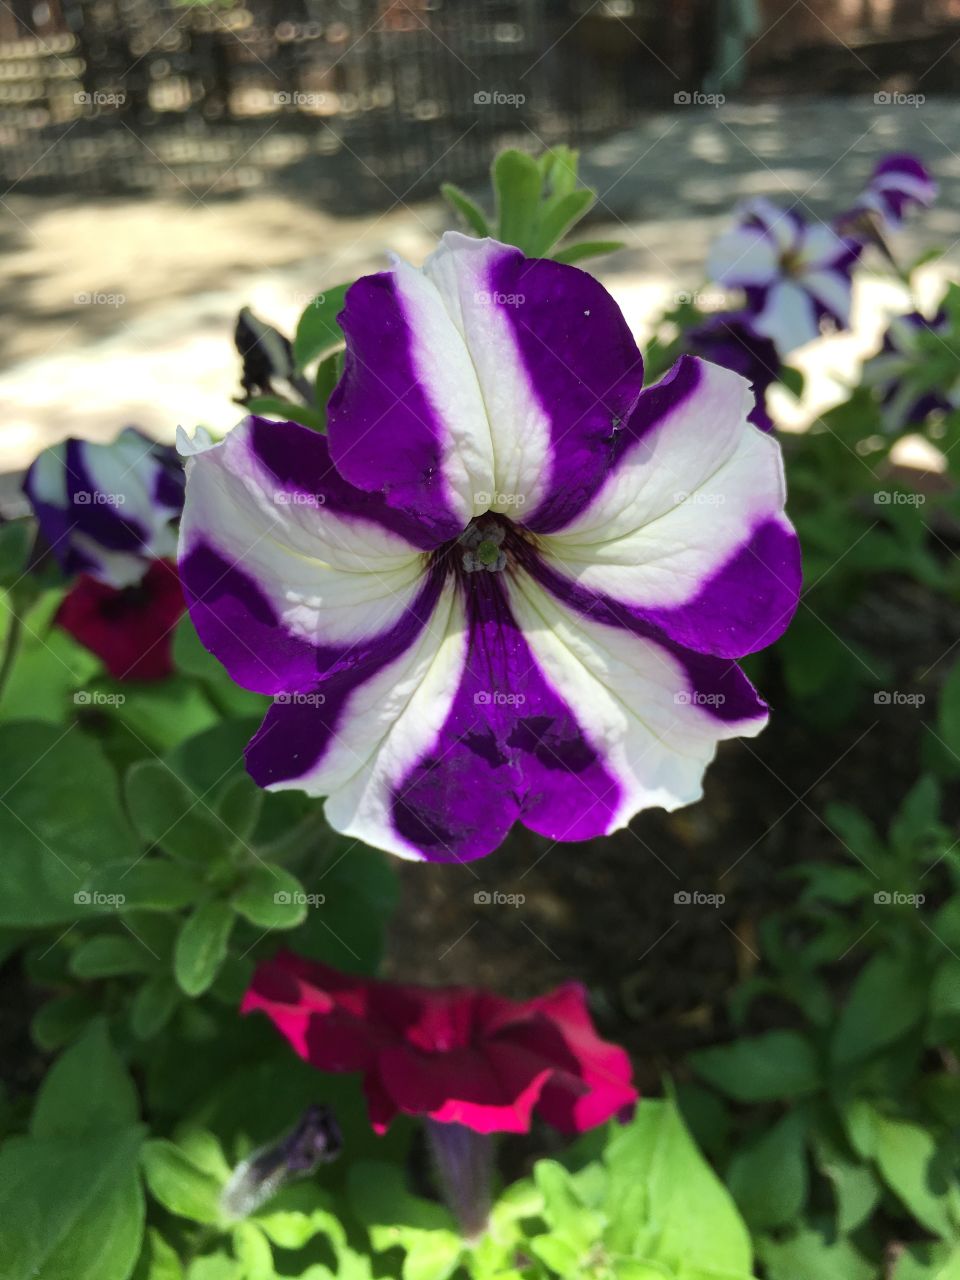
x: 353, y: 100
x: 365, y: 102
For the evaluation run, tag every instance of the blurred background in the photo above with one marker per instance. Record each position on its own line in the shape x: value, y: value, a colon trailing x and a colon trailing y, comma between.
x: 163, y: 164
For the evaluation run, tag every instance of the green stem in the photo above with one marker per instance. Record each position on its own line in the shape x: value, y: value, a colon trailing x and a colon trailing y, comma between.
x: 11, y: 648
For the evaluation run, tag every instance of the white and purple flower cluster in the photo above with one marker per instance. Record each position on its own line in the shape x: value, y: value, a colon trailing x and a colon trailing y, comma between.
x: 511, y: 584
x: 107, y: 510
x: 797, y: 275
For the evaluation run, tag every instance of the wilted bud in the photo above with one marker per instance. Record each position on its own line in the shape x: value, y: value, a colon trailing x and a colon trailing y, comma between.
x: 267, y: 357
x: 315, y: 1140
x: 463, y: 1160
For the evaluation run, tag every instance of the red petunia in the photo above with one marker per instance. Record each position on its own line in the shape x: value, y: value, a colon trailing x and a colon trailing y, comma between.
x: 454, y: 1054
x: 130, y: 629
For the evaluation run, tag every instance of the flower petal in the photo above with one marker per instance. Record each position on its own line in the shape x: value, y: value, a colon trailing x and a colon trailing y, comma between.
x: 744, y: 256
x: 688, y: 534
x: 326, y: 571
x: 505, y: 377
x: 787, y: 314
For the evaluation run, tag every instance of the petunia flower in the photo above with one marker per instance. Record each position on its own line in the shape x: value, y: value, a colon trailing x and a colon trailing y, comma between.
x: 452, y: 1054
x: 511, y: 583
x: 129, y: 628
x: 796, y: 274
x: 898, y: 184
x: 728, y: 340
x: 902, y: 370
x: 106, y: 509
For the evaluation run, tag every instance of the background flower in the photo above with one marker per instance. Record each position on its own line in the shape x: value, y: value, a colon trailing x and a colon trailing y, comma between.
x: 900, y: 372
x: 796, y: 274
x: 455, y: 1055
x: 129, y: 628
x: 729, y: 340
x: 106, y: 509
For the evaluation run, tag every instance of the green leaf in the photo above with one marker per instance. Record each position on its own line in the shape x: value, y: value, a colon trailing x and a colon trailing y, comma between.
x: 253, y: 1252
x: 807, y: 1254
x: 517, y: 182
x: 793, y: 380
x: 556, y: 1254
x: 153, y: 1007
x: 238, y: 807
x: 87, y: 1089
x: 855, y: 1185
x: 15, y: 538
x: 769, y: 1178
x: 558, y: 216
x: 152, y: 884
x: 913, y: 1168
x: 884, y: 1003
x: 777, y: 1064
x: 665, y: 1203
x: 61, y: 1020
x: 948, y: 715
x: 168, y: 813
x: 71, y: 1207
x: 201, y: 947
x: 271, y: 898
x: 918, y: 815
x: 575, y: 253
x: 159, y: 1260
x: 327, y: 377
x: 179, y: 1184
x: 287, y: 411
x: 111, y: 956
x: 318, y: 330
x: 471, y: 213
x: 162, y: 713
x: 60, y: 820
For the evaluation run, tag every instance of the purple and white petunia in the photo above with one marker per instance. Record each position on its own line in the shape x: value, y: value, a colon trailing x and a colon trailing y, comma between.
x: 511, y: 583
x: 899, y: 373
x: 796, y: 274
x: 727, y: 339
x: 898, y: 184
x: 107, y: 509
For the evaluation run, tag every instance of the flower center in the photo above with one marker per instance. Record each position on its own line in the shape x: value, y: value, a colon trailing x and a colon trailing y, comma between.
x: 481, y: 546
x: 791, y: 263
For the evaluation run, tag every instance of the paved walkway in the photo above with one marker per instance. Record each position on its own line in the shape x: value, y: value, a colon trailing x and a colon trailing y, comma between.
x: 122, y: 311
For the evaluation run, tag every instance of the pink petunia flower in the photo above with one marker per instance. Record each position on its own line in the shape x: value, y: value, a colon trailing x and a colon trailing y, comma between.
x: 454, y: 1055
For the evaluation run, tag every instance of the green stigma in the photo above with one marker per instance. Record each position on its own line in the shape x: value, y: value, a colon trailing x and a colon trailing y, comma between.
x: 488, y: 553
